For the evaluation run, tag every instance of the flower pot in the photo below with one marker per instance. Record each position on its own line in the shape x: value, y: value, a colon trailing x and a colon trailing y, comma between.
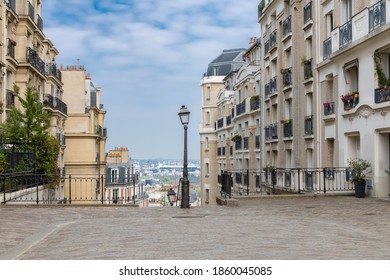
x: 360, y: 189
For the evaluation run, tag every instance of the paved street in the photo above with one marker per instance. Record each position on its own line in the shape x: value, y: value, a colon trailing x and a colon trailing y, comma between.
x: 267, y: 228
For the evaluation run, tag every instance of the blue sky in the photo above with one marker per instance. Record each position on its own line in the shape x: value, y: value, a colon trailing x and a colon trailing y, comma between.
x: 148, y: 57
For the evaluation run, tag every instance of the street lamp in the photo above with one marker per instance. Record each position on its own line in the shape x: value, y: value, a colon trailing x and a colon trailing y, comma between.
x: 184, y: 115
x: 171, y: 196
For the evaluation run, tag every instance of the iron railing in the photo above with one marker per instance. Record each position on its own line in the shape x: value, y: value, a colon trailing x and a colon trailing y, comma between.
x: 382, y: 95
x: 34, y: 188
x: 329, y: 108
x: 327, y: 48
x: 345, y: 33
x: 308, y: 68
x: 287, y: 76
x: 285, y: 180
x: 377, y: 15
x: 36, y: 61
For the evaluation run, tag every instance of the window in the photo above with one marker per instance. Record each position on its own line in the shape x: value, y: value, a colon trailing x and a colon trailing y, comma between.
x: 114, y: 175
x: 207, y: 170
x: 346, y: 10
x: 208, y: 93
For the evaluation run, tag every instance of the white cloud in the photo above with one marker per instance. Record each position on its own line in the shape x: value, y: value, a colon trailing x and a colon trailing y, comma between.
x: 148, y: 56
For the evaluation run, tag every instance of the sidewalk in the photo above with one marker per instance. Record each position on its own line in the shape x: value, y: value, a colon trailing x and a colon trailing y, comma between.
x: 263, y: 228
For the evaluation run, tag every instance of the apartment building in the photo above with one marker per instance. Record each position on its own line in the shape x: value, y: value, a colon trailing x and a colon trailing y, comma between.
x: 85, y: 133
x: 28, y: 58
x: 353, y: 72
x: 122, y: 181
x: 238, y: 127
x: 212, y: 84
x: 290, y: 98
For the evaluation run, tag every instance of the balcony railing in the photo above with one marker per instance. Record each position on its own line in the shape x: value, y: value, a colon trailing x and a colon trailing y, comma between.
x: 329, y: 108
x: 271, y: 132
x: 287, y: 77
x: 40, y: 23
x: 345, y: 33
x: 273, y: 85
x: 51, y: 69
x: 56, y: 104
x: 12, y: 5
x: 382, y: 95
x: 255, y: 102
x: 308, y: 68
x: 377, y: 15
x: 34, y: 60
x: 11, y: 48
x: 309, y: 125
x: 287, y: 128
x: 10, y: 99
x: 240, y: 108
x: 31, y: 11
x: 228, y: 120
x: 286, y: 26
x: 272, y: 40
x: 307, y: 13
x: 327, y: 48
x: 220, y: 123
x: 266, y: 48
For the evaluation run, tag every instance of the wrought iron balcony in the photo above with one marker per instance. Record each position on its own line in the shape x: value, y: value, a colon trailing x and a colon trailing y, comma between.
x: 31, y: 11
x: 51, y: 69
x: 266, y: 48
x: 286, y: 26
x: 271, y: 132
x: 287, y: 128
x: 40, y: 23
x: 36, y: 61
x: 308, y: 68
x: 11, y: 48
x: 307, y: 13
x: 56, y: 104
x: 345, y: 33
x: 10, y: 99
x: 287, y: 77
x: 255, y: 102
x: 327, y: 48
x: 382, y: 95
x: 240, y: 108
x: 273, y: 84
x: 220, y: 123
x: 329, y: 108
x: 377, y: 15
x: 12, y: 5
x: 309, y: 125
x: 272, y: 40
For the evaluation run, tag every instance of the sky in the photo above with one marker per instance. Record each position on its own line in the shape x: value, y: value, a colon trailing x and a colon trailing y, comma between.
x: 148, y: 58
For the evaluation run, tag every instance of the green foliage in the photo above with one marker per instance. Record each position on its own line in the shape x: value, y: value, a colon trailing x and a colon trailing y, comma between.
x: 358, y: 169
x: 29, y: 128
x: 3, y: 163
x: 383, y: 81
x: 388, y: 171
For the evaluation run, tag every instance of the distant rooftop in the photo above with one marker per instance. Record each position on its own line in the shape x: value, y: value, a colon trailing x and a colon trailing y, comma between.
x: 227, y: 61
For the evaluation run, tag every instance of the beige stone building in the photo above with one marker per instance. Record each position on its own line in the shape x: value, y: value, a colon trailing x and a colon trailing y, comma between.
x: 85, y: 133
x: 28, y: 58
x: 291, y: 113
x: 211, y: 85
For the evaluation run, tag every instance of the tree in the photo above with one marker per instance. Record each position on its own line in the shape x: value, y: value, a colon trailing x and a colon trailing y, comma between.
x: 29, y: 128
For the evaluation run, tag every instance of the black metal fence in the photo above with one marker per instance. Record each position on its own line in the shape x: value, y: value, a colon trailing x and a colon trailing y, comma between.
x: 285, y: 180
x: 34, y: 188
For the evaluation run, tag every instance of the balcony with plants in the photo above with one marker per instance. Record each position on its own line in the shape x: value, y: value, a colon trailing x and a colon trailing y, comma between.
x: 350, y: 100
x: 382, y: 92
x: 287, y: 128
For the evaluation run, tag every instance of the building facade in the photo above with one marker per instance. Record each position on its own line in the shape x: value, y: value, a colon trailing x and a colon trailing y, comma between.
x: 122, y: 180
x: 212, y: 84
x: 353, y: 72
x: 28, y: 59
x: 85, y: 133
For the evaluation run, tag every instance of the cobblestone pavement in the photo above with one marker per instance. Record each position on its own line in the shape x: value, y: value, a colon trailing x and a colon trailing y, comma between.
x: 269, y: 228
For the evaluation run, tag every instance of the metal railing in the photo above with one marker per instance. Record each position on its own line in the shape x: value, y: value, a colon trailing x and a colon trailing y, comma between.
x: 287, y: 76
x: 285, y: 180
x: 34, y: 188
x: 382, y: 95
x: 36, y: 61
x: 377, y: 15
x: 286, y: 26
x: 327, y: 48
x: 308, y: 68
x: 329, y: 108
x: 345, y: 33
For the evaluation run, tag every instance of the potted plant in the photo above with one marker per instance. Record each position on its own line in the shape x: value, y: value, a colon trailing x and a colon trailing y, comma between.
x: 236, y: 138
x: 358, y: 168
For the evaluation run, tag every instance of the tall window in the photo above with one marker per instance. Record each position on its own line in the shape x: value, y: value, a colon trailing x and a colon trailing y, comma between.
x: 346, y: 10
x: 114, y: 175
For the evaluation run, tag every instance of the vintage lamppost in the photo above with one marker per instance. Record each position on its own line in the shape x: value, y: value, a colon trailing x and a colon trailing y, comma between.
x: 184, y: 115
x: 171, y: 196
